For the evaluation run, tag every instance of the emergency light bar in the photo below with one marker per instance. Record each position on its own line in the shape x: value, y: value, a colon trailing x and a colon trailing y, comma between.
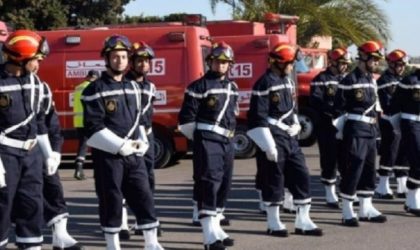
x: 176, y: 36
x: 195, y: 20
x: 261, y: 43
x: 73, y: 39
x: 278, y: 24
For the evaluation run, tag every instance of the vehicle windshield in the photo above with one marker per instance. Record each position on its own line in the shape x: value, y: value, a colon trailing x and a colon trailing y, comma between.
x: 204, y: 52
x: 309, y: 62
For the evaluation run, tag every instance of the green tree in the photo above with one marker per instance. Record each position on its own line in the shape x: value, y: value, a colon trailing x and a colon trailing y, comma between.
x: 346, y: 21
x: 50, y: 14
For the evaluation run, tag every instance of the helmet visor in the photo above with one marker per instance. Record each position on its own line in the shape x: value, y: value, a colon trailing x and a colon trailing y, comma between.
x: 44, y: 48
x: 222, y: 53
x: 117, y: 42
x: 144, y: 51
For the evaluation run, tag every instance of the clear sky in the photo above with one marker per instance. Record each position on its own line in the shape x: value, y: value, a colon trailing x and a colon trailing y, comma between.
x: 404, y: 17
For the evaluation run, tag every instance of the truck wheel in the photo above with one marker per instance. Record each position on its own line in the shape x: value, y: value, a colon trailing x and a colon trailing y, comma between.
x: 163, y: 151
x: 307, y: 119
x: 244, y: 146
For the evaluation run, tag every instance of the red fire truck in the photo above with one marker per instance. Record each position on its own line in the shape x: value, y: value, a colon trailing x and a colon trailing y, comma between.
x: 180, y: 52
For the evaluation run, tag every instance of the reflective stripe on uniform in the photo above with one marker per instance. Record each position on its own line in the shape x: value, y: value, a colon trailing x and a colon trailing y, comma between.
x: 302, y: 202
x: 108, y: 93
x: 324, y: 83
x: 209, y: 92
x: 407, y: 86
x: 386, y: 85
x: 16, y: 87
x: 39, y: 239
x: 357, y: 86
x: 271, y: 89
x: 111, y: 229
x: 147, y: 226
x: 412, y: 117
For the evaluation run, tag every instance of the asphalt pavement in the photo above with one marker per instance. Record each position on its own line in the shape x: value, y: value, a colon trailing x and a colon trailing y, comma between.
x: 248, y: 226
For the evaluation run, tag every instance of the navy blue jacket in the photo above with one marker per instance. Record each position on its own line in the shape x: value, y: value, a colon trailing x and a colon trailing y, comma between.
x: 208, y: 98
x: 387, y: 85
x: 148, y: 96
x: 15, y: 106
x: 323, y: 89
x: 52, y: 121
x: 356, y: 94
x: 110, y: 104
x: 272, y: 96
x: 407, y: 95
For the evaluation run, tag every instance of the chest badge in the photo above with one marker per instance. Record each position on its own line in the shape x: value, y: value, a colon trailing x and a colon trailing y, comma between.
x: 4, y: 101
x: 275, y: 97
x: 359, y: 94
x: 330, y: 90
x: 416, y: 95
x: 111, y: 106
x: 211, y: 101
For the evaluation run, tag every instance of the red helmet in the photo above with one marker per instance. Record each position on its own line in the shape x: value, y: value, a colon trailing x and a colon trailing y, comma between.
x: 339, y: 55
x: 372, y: 48
x: 141, y: 49
x: 397, y: 55
x: 221, y: 51
x: 283, y: 53
x: 115, y: 42
x: 24, y: 45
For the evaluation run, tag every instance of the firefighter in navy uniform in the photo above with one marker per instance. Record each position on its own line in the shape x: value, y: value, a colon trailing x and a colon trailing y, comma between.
x: 356, y: 100
x: 274, y: 127
x: 140, y: 59
x: 208, y: 118
x: 55, y: 209
x: 392, y: 151
x: 407, y: 101
x: 323, y: 89
x: 23, y: 135
x: 118, y: 147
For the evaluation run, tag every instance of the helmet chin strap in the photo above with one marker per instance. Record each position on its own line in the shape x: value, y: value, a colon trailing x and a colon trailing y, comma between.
x: 115, y: 72
x: 281, y: 67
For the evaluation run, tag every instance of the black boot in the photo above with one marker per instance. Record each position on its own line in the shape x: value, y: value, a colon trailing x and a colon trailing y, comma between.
x: 78, y: 173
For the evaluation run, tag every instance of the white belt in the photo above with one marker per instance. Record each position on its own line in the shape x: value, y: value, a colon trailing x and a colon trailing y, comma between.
x: 26, y: 145
x: 216, y: 129
x: 149, y: 130
x: 386, y: 117
x: 412, y: 117
x: 278, y: 123
x: 361, y: 118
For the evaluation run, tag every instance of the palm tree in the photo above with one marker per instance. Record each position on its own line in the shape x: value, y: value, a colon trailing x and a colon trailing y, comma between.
x: 346, y: 21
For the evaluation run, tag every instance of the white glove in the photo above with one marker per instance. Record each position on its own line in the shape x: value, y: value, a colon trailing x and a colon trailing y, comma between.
x: 339, y: 123
x: 53, y: 162
x: 187, y: 129
x: 395, y: 121
x: 140, y: 147
x: 272, y: 154
x: 294, y: 129
x: 2, y: 175
x: 127, y: 148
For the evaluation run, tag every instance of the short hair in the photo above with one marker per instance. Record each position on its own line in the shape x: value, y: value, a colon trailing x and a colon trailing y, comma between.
x: 92, y: 73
